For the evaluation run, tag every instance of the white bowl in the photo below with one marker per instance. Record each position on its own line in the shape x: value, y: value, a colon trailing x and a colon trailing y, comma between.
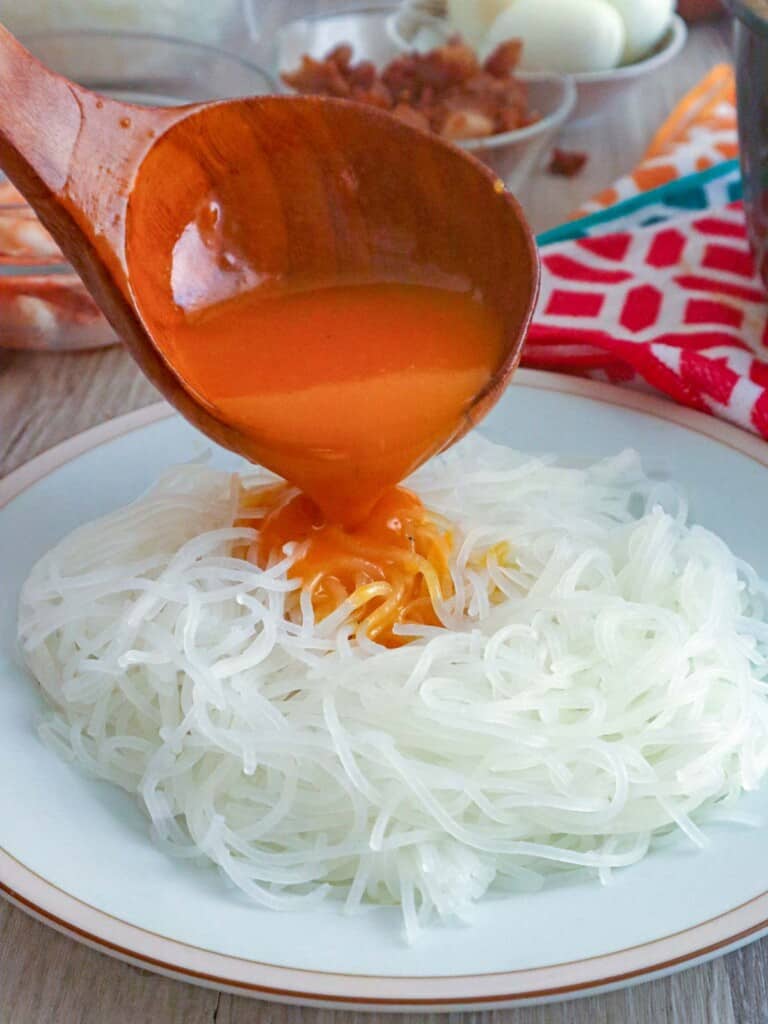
x: 597, y: 90
x: 512, y: 155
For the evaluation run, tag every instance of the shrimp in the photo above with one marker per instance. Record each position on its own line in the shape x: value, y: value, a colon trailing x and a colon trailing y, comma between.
x: 47, y: 308
x: 54, y: 313
x: 22, y: 237
x: 10, y: 195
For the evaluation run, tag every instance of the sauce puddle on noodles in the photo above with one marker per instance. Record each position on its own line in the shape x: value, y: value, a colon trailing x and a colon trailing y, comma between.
x: 391, y: 569
x: 344, y: 390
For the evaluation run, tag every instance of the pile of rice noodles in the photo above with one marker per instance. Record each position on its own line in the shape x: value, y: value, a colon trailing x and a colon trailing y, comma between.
x: 617, y: 691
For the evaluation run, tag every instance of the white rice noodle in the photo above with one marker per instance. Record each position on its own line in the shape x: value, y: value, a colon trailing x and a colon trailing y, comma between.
x: 616, y: 693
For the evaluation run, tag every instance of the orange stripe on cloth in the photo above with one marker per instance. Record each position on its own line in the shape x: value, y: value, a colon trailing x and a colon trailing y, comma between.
x: 654, y: 176
x: 699, y: 132
x: 696, y: 108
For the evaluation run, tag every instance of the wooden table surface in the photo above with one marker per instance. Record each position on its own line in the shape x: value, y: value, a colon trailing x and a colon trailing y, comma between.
x: 50, y: 979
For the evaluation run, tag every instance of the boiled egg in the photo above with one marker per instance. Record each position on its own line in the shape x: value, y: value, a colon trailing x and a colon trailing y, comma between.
x: 473, y: 18
x: 645, y: 22
x: 561, y: 35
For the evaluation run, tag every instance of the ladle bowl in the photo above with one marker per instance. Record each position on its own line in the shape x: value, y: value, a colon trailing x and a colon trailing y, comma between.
x: 292, y: 189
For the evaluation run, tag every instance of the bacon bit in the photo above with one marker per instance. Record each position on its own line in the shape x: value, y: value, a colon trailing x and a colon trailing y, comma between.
x: 323, y: 77
x: 445, y: 90
x: 466, y: 124
x: 415, y: 118
x: 375, y: 96
x: 504, y: 59
x: 341, y: 56
x: 566, y: 163
x: 364, y: 75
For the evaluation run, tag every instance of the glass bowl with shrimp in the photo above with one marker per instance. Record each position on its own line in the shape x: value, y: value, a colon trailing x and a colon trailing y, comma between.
x: 43, y: 303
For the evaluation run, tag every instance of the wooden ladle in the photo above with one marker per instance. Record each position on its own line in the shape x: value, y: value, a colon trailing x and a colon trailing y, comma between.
x: 319, y: 189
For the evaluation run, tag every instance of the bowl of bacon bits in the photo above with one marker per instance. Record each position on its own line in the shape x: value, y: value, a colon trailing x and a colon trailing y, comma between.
x: 505, y: 118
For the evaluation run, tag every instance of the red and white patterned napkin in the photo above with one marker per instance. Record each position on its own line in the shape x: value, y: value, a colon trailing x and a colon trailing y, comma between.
x: 661, y: 293
x: 676, y: 308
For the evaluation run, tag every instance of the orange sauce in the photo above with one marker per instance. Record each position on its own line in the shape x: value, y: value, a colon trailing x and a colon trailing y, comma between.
x: 343, y: 390
x: 393, y: 568
x: 346, y: 389
x: 332, y: 316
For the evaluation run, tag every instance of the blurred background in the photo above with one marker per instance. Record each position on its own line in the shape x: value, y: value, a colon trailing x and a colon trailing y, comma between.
x: 237, y: 24
x: 589, y: 111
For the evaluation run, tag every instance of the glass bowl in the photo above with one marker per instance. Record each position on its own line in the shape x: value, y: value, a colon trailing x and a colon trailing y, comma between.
x: 512, y: 155
x: 43, y: 303
x: 598, y: 91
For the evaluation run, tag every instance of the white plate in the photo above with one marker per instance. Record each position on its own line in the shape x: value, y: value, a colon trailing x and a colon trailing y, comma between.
x: 76, y: 854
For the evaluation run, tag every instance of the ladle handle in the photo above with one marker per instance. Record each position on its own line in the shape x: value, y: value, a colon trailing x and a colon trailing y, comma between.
x: 40, y: 120
x: 72, y: 154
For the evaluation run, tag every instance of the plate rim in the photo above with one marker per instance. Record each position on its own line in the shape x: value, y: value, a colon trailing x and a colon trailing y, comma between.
x: 108, y: 934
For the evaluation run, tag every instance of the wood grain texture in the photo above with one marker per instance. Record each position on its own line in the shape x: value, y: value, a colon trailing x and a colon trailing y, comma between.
x: 324, y: 192
x: 46, y: 978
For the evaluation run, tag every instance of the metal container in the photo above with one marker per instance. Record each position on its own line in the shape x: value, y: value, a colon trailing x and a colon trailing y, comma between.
x: 751, y: 37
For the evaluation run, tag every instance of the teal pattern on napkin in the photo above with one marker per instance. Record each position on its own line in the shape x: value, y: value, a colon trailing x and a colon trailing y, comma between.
x: 718, y: 186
